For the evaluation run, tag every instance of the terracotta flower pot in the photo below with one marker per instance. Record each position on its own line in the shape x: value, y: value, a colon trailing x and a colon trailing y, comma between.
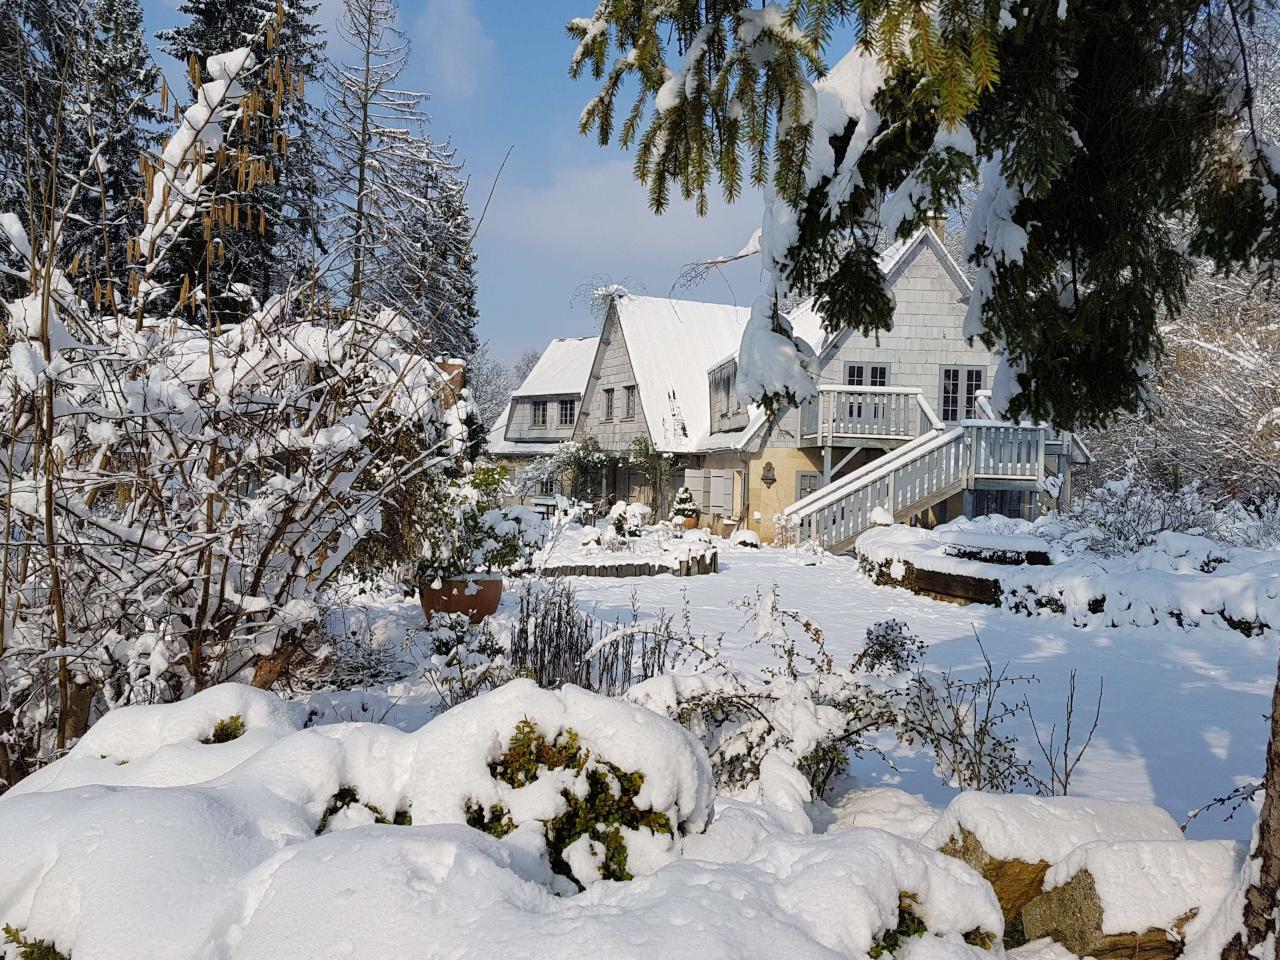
x: 452, y: 597
x: 689, y: 523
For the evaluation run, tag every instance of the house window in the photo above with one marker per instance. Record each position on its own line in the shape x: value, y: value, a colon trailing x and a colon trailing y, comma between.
x: 608, y: 404
x: 959, y: 395
x: 972, y: 384
x: 629, y: 402
x: 547, y: 486
x: 568, y: 411
x: 539, y: 413
x: 807, y: 482
x: 866, y: 375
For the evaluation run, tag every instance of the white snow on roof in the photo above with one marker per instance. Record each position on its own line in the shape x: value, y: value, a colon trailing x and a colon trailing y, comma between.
x: 672, y: 344
x: 806, y: 321
x: 500, y: 446
x: 563, y: 368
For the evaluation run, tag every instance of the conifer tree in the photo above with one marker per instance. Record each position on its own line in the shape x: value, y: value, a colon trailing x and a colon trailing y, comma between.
x: 400, y: 225
x: 117, y: 82
x: 279, y: 226
x: 1095, y: 124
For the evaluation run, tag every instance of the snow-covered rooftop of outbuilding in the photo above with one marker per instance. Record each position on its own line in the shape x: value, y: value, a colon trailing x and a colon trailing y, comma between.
x: 563, y: 368
x: 672, y: 343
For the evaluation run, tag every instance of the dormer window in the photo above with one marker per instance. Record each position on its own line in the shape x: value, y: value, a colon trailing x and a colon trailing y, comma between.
x: 568, y: 412
x: 539, y: 413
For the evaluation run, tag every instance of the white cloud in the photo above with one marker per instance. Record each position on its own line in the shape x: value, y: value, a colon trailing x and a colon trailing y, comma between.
x: 453, y: 47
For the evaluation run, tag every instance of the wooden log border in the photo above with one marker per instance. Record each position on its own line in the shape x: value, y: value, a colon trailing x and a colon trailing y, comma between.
x: 691, y: 567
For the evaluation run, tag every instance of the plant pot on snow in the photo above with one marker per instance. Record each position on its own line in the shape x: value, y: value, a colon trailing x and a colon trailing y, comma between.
x: 689, y: 523
x: 477, y: 598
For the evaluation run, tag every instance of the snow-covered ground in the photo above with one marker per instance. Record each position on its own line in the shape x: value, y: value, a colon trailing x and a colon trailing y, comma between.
x: 1182, y: 713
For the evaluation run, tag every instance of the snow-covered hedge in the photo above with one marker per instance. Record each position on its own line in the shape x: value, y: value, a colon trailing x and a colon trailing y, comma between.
x: 153, y: 851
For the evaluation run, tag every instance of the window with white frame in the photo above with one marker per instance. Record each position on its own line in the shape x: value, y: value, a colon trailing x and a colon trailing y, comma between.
x: 568, y: 412
x: 539, y: 413
x: 866, y: 375
x: 608, y: 404
x: 959, y: 392
x: 629, y: 402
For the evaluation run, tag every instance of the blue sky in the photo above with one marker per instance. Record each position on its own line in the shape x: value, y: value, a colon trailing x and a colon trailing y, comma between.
x: 564, y: 209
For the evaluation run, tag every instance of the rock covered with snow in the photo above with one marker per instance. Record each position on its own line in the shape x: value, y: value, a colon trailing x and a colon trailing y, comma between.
x: 1131, y: 897
x: 1031, y: 829
x: 1014, y: 840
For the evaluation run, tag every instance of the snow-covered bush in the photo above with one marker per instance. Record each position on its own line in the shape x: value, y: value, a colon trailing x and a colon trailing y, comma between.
x: 466, y: 659
x: 597, y: 822
x: 808, y: 715
x: 1122, y: 516
x: 628, y: 519
x: 466, y: 533
x: 179, y: 493
x: 685, y: 506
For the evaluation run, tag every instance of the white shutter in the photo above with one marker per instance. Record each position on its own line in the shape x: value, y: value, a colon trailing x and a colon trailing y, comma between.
x: 696, y: 481
x: 721, y: 492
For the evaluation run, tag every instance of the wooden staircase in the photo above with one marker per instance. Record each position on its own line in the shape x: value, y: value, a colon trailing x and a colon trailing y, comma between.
x: 918, y: 475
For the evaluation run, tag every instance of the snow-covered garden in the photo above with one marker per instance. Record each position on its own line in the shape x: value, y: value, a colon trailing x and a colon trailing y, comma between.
x: 289, y: 668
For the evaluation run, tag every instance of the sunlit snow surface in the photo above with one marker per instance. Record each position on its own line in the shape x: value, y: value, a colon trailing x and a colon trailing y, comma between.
x: 1182, y: 713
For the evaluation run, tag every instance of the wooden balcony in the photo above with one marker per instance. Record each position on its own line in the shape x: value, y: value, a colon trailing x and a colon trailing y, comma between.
x: 884, y: 417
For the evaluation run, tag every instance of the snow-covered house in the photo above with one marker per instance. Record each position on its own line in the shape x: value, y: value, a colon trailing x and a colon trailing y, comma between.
x: 543, y: 411
x: 911, y: 401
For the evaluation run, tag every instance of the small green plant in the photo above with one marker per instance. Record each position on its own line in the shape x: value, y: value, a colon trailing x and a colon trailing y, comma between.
x: 32, y: 949
x: 226, y: 730
x: 609, y: 804
x: 348, y: 796
x: 910, y: 926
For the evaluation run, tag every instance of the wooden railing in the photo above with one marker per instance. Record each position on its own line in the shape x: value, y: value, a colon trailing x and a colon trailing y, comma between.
x: 919, y: 474
x: 866, y: 413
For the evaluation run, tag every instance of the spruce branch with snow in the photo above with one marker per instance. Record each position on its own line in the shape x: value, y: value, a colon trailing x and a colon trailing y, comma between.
x: 1089, y: 125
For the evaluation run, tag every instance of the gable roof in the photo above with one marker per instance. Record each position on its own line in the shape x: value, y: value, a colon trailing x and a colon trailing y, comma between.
x: 563, y: 368
x: 806, y: 321
x: 672, y: 344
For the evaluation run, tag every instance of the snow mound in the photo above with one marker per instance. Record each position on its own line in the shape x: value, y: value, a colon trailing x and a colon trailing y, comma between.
x: 1034, y: 829
x: 885, y: 808
x: 1145, y: 885
x: 161, y: 745
x: 233, y: 867
x: 745, y: 538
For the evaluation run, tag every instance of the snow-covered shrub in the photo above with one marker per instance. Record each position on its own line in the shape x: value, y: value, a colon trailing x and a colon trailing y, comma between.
x: 809, y: 714
x: 467, y: 534
x: 745, y: 538
x: 628, y: 519
x: 1122, y: 516
x: 685, y: 506
x: 180, y: 493
x: 345, y: 809
x: 588, y: 839
x: 465, y: 659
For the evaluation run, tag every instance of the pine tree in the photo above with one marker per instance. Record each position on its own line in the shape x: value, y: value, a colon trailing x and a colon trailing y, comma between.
x: 401, y: 225
x: 116, y: 80
x: 1097, y: 123
x: 280, y: 224
x: 37, y: 48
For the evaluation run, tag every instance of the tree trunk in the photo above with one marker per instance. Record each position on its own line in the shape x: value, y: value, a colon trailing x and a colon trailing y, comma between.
x: 1260, y: 904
